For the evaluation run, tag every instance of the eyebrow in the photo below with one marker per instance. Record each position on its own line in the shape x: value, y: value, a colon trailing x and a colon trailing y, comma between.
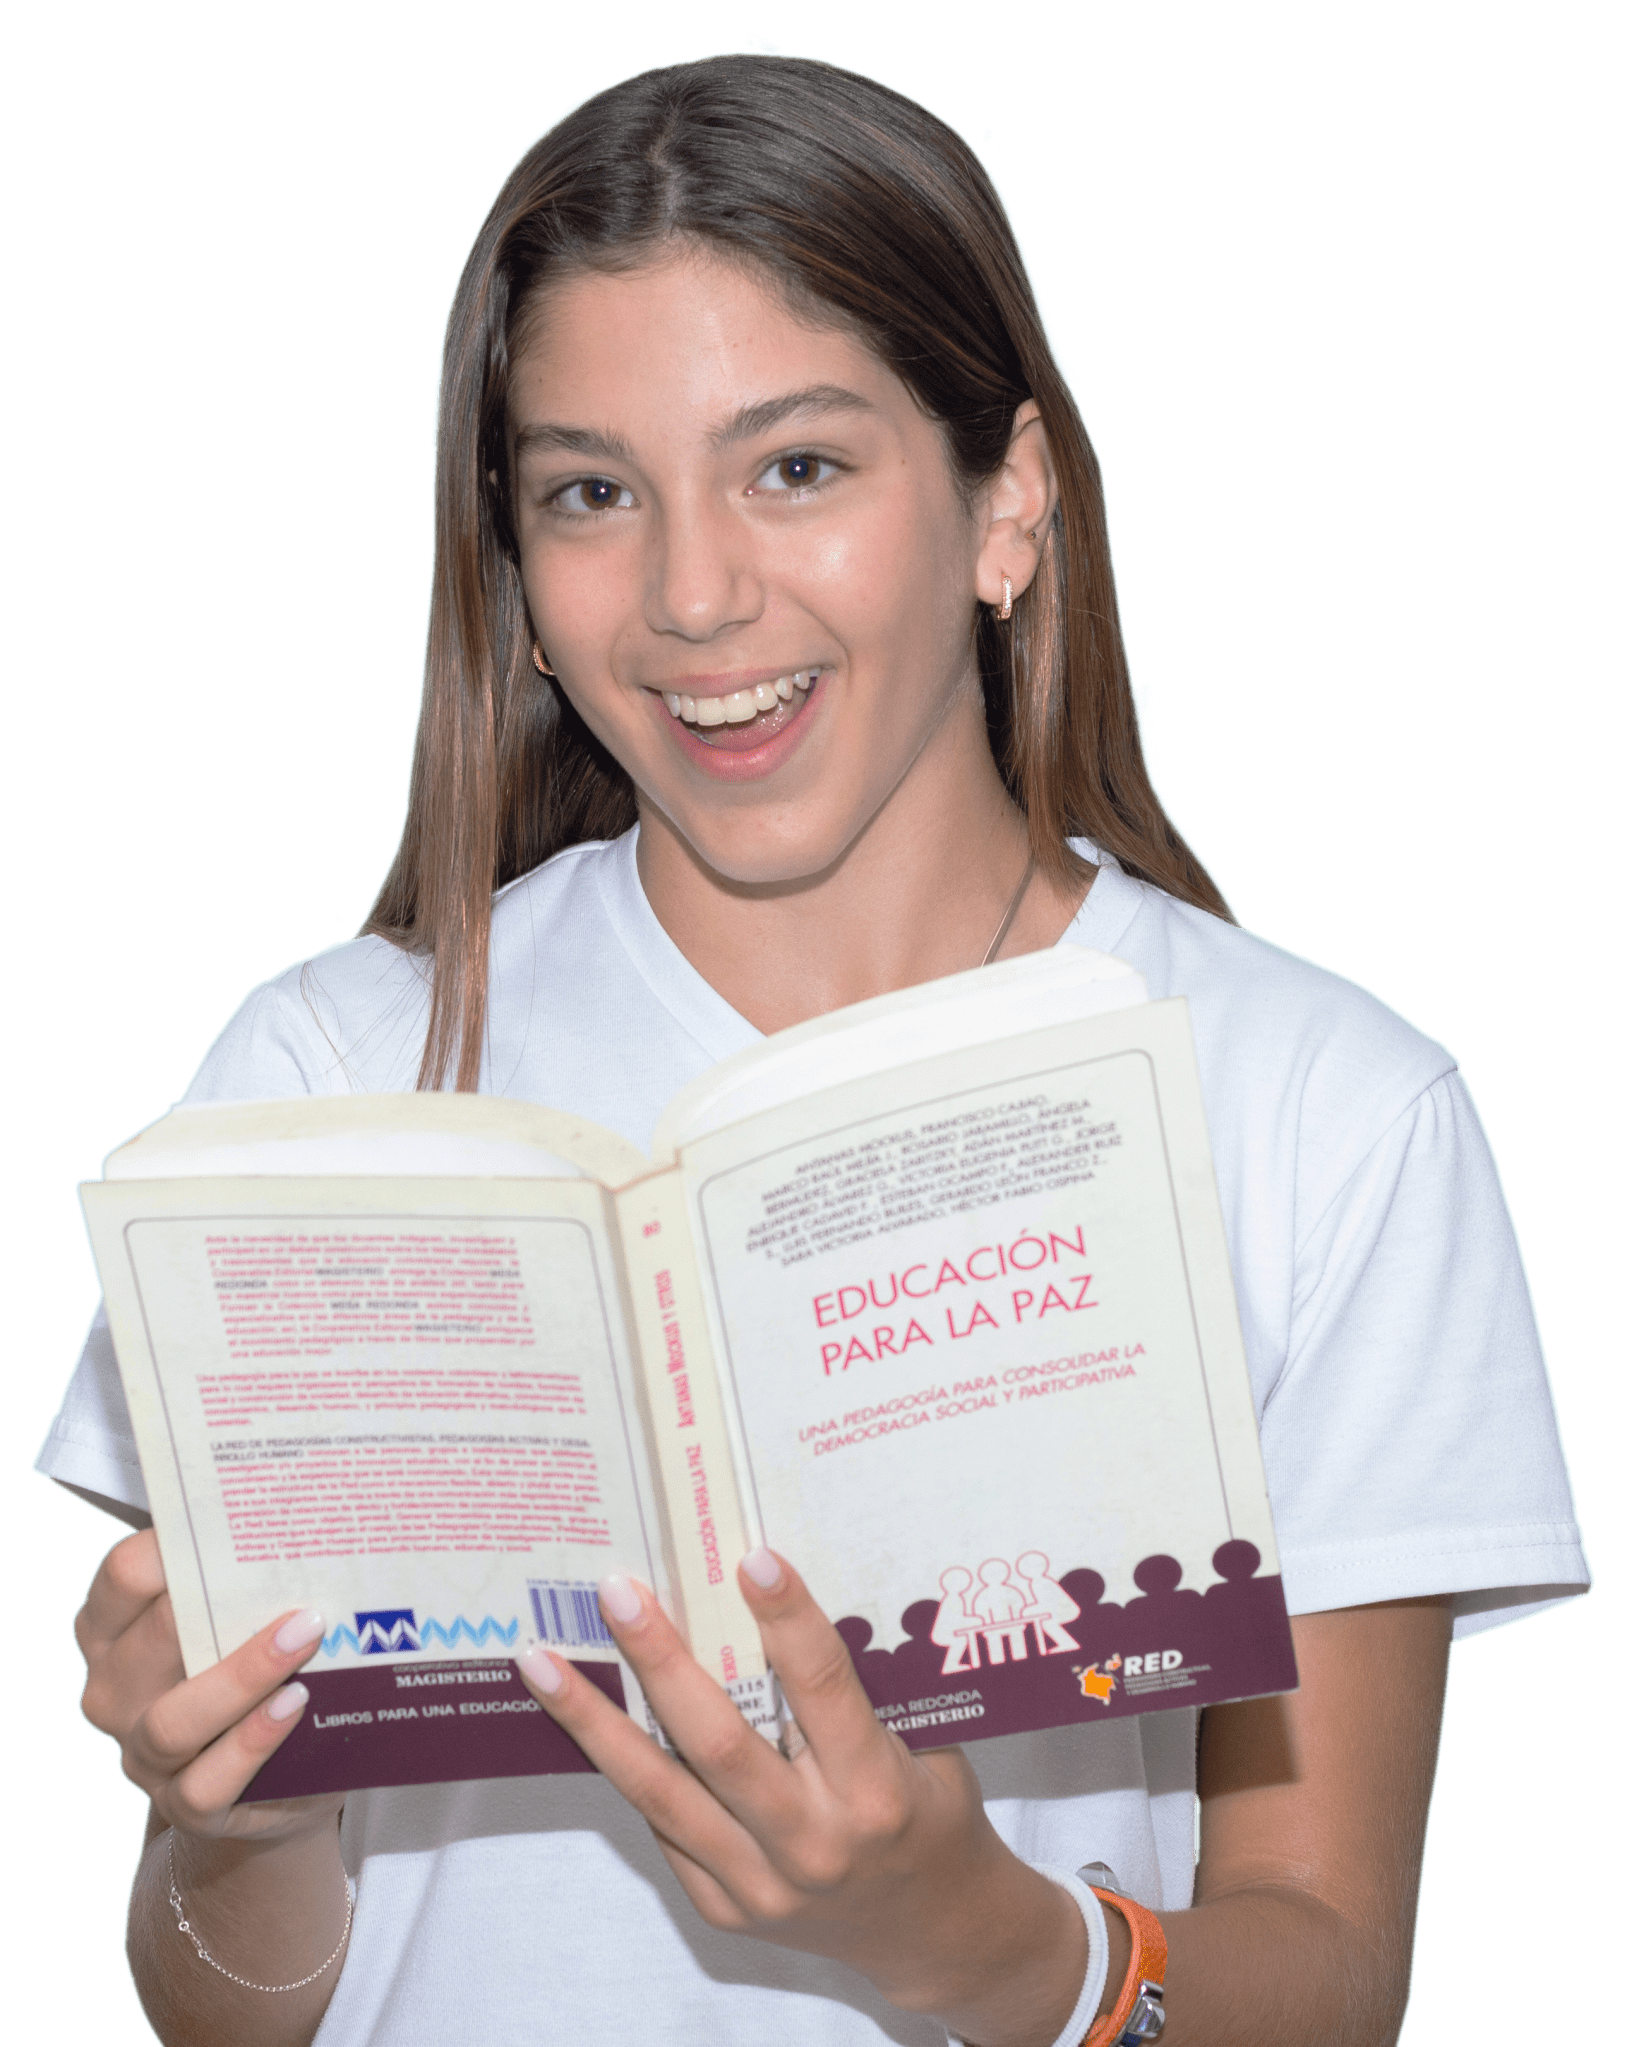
x: 748, y: 422
x: 574, y: 440
x: 751, y: 420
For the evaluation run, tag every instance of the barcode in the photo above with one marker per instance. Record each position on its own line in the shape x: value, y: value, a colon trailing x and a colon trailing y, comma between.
x: 569, y: 1615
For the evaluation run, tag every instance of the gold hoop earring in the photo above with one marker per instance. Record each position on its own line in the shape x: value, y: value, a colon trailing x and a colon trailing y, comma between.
x: 1005, y: 600
x: 541, y: 666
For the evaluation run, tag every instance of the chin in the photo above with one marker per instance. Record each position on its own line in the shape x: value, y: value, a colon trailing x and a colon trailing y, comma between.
x: 765, y: 858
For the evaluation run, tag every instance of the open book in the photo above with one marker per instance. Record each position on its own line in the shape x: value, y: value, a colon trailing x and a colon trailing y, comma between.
x: 931, y: 1295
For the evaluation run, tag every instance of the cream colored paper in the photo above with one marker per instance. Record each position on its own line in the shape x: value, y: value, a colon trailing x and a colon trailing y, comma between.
x: 979, y: 1309
x: 380, y: 1397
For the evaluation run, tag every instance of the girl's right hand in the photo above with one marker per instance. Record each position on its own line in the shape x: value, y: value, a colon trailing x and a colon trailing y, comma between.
x: 193, y: 1744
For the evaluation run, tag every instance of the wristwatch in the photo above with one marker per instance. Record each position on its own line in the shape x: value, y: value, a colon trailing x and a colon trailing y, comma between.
x: 1138, y: 2013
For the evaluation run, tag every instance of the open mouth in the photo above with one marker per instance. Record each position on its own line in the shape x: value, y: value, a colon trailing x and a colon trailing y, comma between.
x: 745, y: 718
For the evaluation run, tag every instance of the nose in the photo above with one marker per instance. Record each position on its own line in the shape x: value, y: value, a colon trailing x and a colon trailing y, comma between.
x: 702, y: 576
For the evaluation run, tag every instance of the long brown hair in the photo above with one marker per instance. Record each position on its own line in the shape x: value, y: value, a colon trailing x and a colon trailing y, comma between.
x: 857, y: 200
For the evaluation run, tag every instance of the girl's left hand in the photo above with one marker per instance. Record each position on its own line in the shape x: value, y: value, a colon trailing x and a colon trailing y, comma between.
x: 859, y: 1849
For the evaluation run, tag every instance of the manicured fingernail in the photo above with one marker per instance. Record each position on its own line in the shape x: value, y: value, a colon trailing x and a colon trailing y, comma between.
x: 299, y: 1631
x: 540, y: 1668
x: 621, y: 1599
x: 762, y: 1567
x: 285, y: 1704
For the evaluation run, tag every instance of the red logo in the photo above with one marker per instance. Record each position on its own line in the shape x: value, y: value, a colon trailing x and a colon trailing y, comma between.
x: 1099, y: 1683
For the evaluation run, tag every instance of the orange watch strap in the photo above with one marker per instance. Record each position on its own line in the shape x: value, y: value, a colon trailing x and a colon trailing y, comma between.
x: 1149, y: 1955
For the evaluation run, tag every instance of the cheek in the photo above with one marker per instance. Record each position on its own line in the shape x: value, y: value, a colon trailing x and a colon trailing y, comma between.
x: 894, y: 582
x: 577, y: 612
x: 584, y: 603
x: 911, y: 602
x: 577, y: 598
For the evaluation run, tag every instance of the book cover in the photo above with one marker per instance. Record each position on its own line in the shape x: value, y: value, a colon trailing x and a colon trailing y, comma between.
x: 941, y: 1312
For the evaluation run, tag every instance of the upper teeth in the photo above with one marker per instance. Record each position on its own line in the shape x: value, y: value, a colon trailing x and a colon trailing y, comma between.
x: 740, y: 704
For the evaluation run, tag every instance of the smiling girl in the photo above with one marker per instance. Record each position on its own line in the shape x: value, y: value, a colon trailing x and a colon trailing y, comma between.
x: 774, y: 664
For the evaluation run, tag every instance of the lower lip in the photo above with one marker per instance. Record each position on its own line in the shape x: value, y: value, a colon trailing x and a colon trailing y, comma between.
x: 751, y: 763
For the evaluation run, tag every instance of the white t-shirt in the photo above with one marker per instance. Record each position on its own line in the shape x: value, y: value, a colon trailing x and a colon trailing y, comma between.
x: 1409, y: 1439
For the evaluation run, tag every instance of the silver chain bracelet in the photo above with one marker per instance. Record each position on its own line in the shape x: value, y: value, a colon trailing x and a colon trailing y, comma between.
x: 184, y: 1925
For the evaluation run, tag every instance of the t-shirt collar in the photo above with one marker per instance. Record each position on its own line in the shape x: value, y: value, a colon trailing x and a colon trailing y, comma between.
x: 1107, y: 912
x: 719, y: 1028
x: 681, y: 989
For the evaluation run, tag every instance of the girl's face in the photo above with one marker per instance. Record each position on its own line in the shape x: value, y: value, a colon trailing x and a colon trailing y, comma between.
x: 746, y: 559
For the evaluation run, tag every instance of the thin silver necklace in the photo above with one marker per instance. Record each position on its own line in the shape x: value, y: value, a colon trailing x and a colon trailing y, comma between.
x: 1012, y: 908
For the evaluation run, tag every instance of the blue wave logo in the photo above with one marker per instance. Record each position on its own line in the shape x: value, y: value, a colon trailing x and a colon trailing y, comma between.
x: 490, y: 1630
x: 393, y: 1631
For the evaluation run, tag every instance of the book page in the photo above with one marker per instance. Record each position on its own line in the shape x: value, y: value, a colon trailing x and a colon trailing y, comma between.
x: 408, y: 1404
x: 977, y: 1008
x: 983, y: 1365
x: 376, y: 1134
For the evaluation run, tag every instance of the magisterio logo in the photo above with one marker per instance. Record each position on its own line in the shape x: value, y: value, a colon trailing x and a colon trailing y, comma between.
x: 387, y: 1631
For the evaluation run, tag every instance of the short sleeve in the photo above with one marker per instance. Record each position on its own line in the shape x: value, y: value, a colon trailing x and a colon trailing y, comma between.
x: 1410, y: 1441
x: 351, y: 1021
x: 91, y: 1444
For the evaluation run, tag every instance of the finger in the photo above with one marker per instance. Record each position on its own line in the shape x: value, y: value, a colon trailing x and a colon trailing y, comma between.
x: 130, y: 1577
x: 199, y: 1798
x: 815, y: 1671
x: 703, y: 1890
x: 682, y: 1811
x: 725, y: 1752
x: 184, y: 1720
x: 125, y: 1676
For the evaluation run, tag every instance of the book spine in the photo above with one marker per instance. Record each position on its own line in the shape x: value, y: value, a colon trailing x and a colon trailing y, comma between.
x: 689, y: 1441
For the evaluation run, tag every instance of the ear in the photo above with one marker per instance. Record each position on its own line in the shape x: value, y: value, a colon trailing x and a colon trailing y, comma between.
x: 1017, y: 508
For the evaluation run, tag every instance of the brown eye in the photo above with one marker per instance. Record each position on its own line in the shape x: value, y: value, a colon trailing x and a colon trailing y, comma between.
x: 796, y: 470
x: 598, y: 493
